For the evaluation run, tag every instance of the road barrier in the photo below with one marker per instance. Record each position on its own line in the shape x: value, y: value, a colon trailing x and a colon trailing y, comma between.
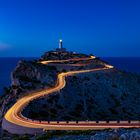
x: 82, y: 122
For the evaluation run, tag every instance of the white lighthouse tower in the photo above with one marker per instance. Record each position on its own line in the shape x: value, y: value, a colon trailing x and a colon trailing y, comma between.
x: 61, y: 49
x: 60, y: 44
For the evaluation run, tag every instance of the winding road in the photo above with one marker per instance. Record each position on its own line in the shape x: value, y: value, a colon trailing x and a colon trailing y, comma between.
x: 14, y: 116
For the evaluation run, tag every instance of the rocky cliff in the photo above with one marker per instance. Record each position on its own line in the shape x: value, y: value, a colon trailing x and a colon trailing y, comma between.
x: 101, y: 95
x: 27, y: 77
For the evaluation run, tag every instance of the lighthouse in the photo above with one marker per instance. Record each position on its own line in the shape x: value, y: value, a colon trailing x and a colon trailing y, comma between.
x: 60, y: 44
x: 61, y: 49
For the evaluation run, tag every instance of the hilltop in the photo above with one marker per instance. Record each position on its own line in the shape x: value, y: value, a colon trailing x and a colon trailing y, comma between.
x: 55, y: 55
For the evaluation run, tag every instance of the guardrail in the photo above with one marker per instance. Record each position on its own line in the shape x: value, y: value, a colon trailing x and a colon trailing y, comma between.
x: 82, y: 122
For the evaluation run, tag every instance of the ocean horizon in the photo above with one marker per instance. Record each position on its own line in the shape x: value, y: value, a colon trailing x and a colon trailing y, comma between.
x: 8, y: 64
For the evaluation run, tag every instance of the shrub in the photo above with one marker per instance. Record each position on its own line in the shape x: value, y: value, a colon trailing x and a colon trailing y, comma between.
x: 115, y: 86
x: 113, y: 111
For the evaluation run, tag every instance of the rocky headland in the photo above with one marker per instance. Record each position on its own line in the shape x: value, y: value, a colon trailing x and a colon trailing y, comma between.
x: 102, y: 95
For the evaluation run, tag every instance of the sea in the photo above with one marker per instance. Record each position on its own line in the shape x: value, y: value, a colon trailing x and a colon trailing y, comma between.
x: 7, y: 65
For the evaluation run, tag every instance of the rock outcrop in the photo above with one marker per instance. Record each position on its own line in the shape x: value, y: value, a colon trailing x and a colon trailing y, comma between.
x: 27, y: 77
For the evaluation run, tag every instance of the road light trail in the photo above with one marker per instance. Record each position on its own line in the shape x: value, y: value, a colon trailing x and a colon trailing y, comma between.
x: 67, y: 60
x: 14, y: 115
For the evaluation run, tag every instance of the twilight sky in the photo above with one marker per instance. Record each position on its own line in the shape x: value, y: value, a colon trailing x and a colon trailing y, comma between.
x: 102, y: 27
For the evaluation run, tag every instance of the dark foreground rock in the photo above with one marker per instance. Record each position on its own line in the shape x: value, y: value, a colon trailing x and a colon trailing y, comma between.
x: 119, y: 134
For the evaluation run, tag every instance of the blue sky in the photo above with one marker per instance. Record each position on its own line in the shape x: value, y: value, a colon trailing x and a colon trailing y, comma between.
x: 102, y: 27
